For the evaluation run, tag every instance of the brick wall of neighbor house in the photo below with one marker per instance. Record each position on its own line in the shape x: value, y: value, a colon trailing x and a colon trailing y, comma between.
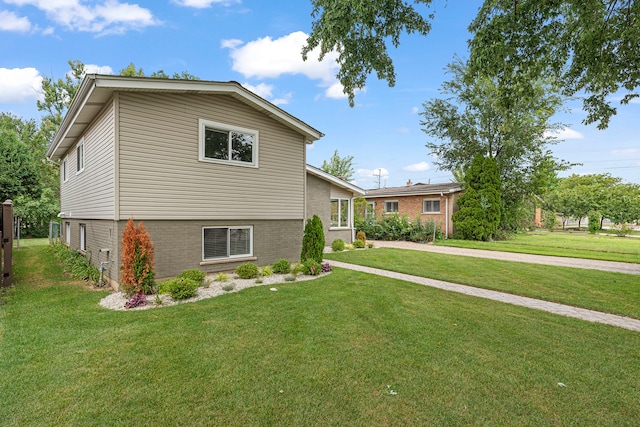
x: 319, y: 203
x: 179, y: 243
x: 411, y: 206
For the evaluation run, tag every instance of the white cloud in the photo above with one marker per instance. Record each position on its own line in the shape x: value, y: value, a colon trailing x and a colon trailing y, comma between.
x: 107, y: 18
x: 9, y: 21
x: 417, y: 167
x: 97, y: 69
x: 372, y: 173
x: 564, y: 133
x: 270, y: 58
x: 19, y: 85
x: 203, y: 4
x: 266, y: 91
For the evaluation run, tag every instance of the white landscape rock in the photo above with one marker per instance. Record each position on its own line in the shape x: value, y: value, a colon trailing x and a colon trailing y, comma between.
x: 117, y: 300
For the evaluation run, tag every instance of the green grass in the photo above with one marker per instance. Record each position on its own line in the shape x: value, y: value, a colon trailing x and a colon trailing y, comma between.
x: 576, y: 245
x: 321, y: 352
x: 597, y: 290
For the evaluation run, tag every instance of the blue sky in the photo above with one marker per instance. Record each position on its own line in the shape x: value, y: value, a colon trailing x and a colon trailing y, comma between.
x: 258, y: 43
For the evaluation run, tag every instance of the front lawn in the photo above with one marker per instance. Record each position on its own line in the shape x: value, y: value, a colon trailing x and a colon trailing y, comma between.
x: 346, y: 349
x: 566, y: 244
x: 597, y: 290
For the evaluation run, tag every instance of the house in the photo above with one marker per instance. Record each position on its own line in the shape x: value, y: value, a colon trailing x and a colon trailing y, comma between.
x: 428, y: 201
x: 338, y: 215
x: 217, y: 174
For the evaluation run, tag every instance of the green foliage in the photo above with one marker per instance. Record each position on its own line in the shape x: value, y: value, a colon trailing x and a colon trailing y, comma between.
x: 19, y: 173
x: 313, y: 240
x: 341, y: 167
x: 222, y: 277
x: 290, y: 278
x: 266, y: 271
x: 594, y: 222
x: 194, y: 274
x: 228, y: 288
x: 180, y: 288
x: 75, y: 264
x: 358, y: 244
x: 282, y: 266
x: 337, y: 245
x: 549, y: 220
x: 398, y: 227
x: 247, y: 271
x: 311, y: 267
x: 361, y: 235
x: 478, y: 215
x: 35, y: 213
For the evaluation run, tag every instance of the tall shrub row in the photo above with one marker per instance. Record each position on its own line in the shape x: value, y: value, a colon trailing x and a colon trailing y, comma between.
x: 396, y: 227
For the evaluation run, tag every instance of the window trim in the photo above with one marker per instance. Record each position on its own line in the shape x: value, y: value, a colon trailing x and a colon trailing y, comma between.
x: 80, y: 157
x: 370, y: 214
x: 230, y: 257
x: 67, y: 233
x: 391, y: 212
x: 204, y: 123
x: 341, y: 226
x: 65, y: 174
x: 432, y: 200
x: 83, y: 237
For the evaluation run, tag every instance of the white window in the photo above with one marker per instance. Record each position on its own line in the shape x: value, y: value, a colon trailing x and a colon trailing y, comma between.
x: 391, y: 206
x: 83, y: 237
x: 227, y: 242
x: 340, y: 213
x: 67, y: 233
x: 431, y: 206
x: 371, y: 210
x: 80, y: 157
x: 222, y: 143
x: 63, y: 171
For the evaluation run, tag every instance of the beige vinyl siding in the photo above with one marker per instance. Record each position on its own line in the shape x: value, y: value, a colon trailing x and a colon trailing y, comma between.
x: 162, y: 178
x: 91, y: 193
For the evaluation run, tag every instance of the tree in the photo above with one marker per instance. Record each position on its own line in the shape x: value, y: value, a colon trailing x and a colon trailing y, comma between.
x: 19, y: 173
x: 473, y: 120
x: 137, y: 260
x: 478, y: 216
x: 623, y: 204
x: 342, y: 167
x: 585, y: 46
x: 313, y: 240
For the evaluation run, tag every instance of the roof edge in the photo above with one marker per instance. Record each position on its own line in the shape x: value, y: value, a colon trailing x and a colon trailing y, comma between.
x: 334, y: 179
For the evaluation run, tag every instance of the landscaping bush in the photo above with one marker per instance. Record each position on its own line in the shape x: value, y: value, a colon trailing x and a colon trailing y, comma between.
x: 75, y: 264
x: 337, y: 245
x: 194, y: 274
x: 361, y: 235
x: 180, y: 288
x: 137, y: 260
x: 247, y: 271
x: 311, y: 267
x: 266, y: 271
x: 594, y: 222
x: 282, y: 266
x: 396, y: 227
x: 136, y: 300
x: 222, y: 277
x: 326, y: 267
x: 313, y: 240
x: 358, y: 244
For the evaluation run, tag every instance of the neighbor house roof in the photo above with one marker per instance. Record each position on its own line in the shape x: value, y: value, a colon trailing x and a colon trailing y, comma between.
x: 335, y: 180
x: 415, y: 190
x: 96, y: 90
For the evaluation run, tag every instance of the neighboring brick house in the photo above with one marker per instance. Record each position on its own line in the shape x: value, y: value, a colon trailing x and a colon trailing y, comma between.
x: 428, y: 201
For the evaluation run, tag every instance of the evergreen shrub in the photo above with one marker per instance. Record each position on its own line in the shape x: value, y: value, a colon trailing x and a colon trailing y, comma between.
x: 313, y: 240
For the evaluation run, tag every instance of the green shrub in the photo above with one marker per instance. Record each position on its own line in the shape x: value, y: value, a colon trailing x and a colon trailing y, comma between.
x: 282, y: 266
x: 180, y: 288
x: 311, y: 267
x: 358, y: 244
x: 594, y: 222
x: 193, y: 274
x: 75, y: 264
x: 228, y: 288
x: 370, y: 245
x: 313, y: 240
x: 247, y: 271
x: 222, y: 277
x: 337, y: 245
x: 296, y: 268
x: 266, y: 271
x: 362, y: 236
x: 290, y: 278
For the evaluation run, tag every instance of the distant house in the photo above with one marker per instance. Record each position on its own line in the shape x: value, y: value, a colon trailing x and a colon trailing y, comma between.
x: 337, y: 215
x: 217, y: 174
x: 427, y: 201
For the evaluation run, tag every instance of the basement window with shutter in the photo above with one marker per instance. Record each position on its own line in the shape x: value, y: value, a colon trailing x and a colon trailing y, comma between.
x: 227, y: 242
x: 220, y: 143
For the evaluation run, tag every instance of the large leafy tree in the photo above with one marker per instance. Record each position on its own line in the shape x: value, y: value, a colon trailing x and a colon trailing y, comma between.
x: 19, y: 173
x: 623, y: 204
x: 472, y: 119
x: 585, y: 46
x: 342, y: 167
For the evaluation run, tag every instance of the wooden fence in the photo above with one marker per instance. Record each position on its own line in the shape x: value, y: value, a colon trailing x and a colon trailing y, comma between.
x: 6, y: 237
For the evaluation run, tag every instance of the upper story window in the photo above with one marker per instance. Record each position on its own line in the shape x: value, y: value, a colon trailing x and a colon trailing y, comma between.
x: 391, y: 206
x: 431, y: 206
x: 227, y: 144
x: 63, y: 170
x: 339, y: 213
x: 80, y: 157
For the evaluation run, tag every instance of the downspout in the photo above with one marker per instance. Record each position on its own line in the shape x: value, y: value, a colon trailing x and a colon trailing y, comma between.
x: 352, y: 220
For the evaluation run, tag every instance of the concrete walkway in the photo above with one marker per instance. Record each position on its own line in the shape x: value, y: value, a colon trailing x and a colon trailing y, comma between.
x: 551, y: 307
x: 616, y: 267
